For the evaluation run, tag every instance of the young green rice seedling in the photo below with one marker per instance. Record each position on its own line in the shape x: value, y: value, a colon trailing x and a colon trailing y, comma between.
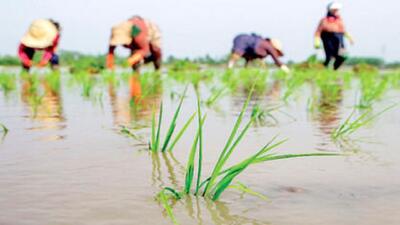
x: 292, y: 85
x: 222, y: 177
x: 7, y: 82
x: 354, y: 123
x: 330, y: 87
x: 3, y: 129
x: 168, y: 143
x: 53, y: 80
x: 86, y: 81
x: 151, y: 83
x: 244, y: 78
x: 164, y: 197
x: 216, y: 94
x: 372, y: 88
x: 261, y: 115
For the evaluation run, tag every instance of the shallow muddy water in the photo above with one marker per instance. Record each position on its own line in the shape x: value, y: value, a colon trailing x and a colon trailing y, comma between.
x: 64, y: 160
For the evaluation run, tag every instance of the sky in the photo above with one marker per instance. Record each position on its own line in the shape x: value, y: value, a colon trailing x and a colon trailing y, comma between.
x: 192, y: 28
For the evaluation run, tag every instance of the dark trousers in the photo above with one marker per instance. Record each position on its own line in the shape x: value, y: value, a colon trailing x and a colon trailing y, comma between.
x: 333, y: 43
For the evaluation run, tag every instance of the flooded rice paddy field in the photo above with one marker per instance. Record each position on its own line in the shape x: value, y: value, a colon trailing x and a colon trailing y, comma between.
x: 65, y: 160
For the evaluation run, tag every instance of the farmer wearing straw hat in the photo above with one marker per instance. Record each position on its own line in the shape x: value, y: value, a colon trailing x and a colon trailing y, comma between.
x: 251, y: 47
x: 142, y: 37
x: 43, y: 34
x: 332, y: 32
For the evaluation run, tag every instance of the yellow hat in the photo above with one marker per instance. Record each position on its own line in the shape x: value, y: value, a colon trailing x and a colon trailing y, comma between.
x: 277, y: 44
x: 121, y: 34
x: 41, y: 34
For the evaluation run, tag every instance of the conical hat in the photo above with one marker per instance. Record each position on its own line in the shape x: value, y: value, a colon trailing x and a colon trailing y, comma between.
x: 121, y: 34
x: 41, y: 34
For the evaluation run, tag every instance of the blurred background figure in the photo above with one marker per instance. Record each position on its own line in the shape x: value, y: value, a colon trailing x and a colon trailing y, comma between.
x: 43, y: 35
x: 332, y: 31
x: 253, y: 46
x: 139, y: 35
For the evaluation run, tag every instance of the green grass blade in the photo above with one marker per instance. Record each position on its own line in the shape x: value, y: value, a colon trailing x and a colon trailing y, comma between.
x: 173, y: 122
x: 273, y: 157
x: 241, y: 187
x: 163, y: 198
x: 219, y: 164
x: 200, y: 143
x: 181, y: 132
x: 157, y: 141
x: 4, y: 129
x: 190, y: 164
x: 153, y: 130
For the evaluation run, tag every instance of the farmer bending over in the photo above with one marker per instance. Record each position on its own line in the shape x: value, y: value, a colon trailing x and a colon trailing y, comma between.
x: 251, y: 47
x: 140, y: 36
x: 332, y: 32
x: 44, y: 35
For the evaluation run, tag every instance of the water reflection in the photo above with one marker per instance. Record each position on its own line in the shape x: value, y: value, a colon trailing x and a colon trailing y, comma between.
x: 162, y: 161
x: 127, y: 108
x: 328, y: 116
x: 42, y: 98
x: 166, y: 171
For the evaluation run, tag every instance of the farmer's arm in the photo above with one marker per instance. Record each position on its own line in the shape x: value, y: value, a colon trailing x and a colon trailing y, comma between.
x: 49, y: 52
x: 141, y: 42
x: 110, y: 57
x: 346, y: 34
x: 274, y: 54
x: 23, y: 56
x: 317, y: 35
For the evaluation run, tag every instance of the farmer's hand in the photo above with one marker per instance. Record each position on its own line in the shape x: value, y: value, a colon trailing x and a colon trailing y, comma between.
x: 285, y: 69
x: 134, y: 59
x: 110, y: 61
x: 42, y: 64
x: 349, y: 38
x: 317, y: 43
x: 27, y: 63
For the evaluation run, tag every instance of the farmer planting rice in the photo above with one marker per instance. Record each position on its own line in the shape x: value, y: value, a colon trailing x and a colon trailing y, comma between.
x: 139, y: 35
x: 253, y: 46
x: 331, y: 31
x: 43, y: 35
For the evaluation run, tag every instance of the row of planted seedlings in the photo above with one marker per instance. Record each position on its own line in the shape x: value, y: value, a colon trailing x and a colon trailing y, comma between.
x: 330, y: 86
x: 221, y: 178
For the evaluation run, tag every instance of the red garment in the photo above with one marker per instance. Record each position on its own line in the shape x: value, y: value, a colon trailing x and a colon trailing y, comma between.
x: 48, y: 52
x: 330, y: 24
x: 140, y: 43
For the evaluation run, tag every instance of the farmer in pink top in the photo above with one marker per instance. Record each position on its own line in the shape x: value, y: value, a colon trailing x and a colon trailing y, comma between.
x: 43, y: 35
x: 332, y: 32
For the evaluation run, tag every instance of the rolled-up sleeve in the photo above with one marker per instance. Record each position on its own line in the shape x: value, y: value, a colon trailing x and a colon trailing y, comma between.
x: 22, y: 55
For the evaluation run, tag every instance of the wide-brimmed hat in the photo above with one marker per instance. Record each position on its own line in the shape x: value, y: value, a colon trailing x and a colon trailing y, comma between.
x: 121, y: 34
x: 41, y: 34
x: 277, y: 44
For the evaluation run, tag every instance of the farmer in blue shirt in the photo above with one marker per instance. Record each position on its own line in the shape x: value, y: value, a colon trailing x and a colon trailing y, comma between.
x: 253, y: 46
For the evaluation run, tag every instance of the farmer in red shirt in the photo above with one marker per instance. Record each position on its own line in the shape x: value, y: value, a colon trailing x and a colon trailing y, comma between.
x: 332, y: 32
x: 251, y: 47
x: 44, y: 35
x: 140, y: 36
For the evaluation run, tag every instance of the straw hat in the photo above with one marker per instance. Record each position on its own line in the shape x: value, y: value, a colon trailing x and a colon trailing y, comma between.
x: 277, y: 44
x: 121, y: 34
x: 41, y: 34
